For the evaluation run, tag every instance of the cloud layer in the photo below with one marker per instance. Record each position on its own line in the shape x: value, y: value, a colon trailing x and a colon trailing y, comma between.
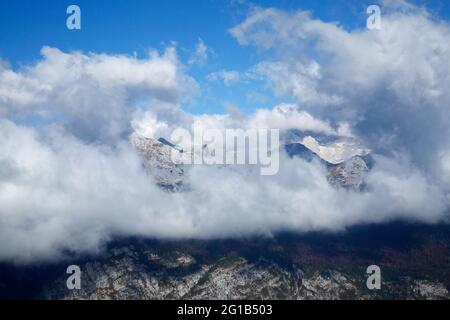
x: 70, y: 181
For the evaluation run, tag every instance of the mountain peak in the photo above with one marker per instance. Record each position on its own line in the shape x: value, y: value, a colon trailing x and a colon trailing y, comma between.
x: 337, y: 151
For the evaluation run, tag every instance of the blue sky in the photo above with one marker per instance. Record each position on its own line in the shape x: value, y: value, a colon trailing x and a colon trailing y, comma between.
x: 134, y: 26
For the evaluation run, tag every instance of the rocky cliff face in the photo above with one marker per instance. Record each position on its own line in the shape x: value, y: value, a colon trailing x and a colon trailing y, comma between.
x: 349, y: 174
x: 157, y: 160
x: 128, y: 273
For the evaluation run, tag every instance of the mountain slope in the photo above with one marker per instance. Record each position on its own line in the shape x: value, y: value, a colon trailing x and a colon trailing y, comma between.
x: 269, y: 269
x: 349, y: 173
x: 156, y: 157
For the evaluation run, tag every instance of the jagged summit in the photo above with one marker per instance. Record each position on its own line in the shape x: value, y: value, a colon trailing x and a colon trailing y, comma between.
x: 346, y: 159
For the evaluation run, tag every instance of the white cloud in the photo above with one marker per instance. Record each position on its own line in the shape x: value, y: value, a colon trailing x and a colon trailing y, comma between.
x: 95, y: 94
x: 156, y: 123
x: 295, y: 79
x: 285, y: 116
x: 388, y: 85
x: 228, y: 77
x: 60, y: 194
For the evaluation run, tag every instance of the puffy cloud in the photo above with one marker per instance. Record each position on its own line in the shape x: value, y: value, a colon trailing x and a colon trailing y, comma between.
x: 61, y: 196
x: 285, y: 116
x: 93, y: 94
x: 390, y: 85
x: 295, y: 79
x: 163, y: 120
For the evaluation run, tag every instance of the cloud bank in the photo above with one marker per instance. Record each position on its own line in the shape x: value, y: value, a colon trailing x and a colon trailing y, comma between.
x: 70, y: 181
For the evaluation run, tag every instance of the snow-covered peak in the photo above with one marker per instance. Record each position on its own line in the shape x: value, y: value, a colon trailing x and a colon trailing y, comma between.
x: 158, y: 162
x: 337, y: 151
